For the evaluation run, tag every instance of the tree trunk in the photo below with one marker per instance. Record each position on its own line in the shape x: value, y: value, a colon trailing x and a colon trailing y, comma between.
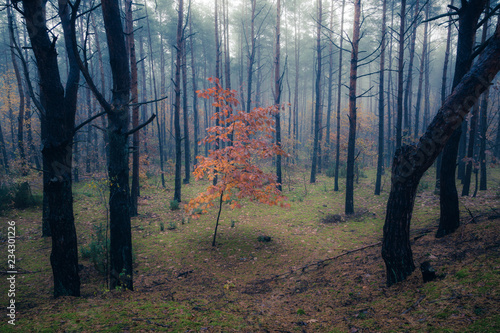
x: 195, y: 95
x: 20, y: 116
x: 421, y: 75
x: 483, y: 122
x: 410, y: 162
x: 409, y: 86
x: 187, y: 142
x: 399, y: 119
x: 251, y: 56
x: 317, y: 106
x: 177, y: 105
x: 349, y: 195
x: 134, y: 99
x: 118, y: 120
x: 470, y: 150
x: 277, y: 94
x: 59, y: 107
x: 444, y: 87
x: 381, y: 138
x: 450, y: 214
x: 339, y: 90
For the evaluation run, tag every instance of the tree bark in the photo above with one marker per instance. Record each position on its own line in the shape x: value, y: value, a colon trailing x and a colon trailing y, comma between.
x: 409, y: 80
x: 251, y: 56
x: 450, y: 214
x: 177, y: 105
x: 121, y: 273
x: 317, y: 106
x: 58, y: 118
x: 399, y: 119
x: 421, y: 75
x: 339, y: 90
x: 277, y: 93
x: 410, y: 162
x: 20, y: 116
x: 444, y: 87
x: 187, y: 142
x: 349, y: 194
x: 134, y: 98
x: 195, y: 95
x: 381, y: 107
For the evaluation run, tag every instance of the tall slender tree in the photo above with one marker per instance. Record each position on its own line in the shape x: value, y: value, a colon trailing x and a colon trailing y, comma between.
x: 177, y: 103
x: 339, y: 91
x: 317, y: 106
x: 381, y: 106
x: 353, y: 77
x: 401, y: 54
x: 277, y: 93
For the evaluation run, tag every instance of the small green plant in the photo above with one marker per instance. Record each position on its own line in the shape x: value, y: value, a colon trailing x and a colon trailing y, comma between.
x: 233, y: 223
x: 461, y: 274
x: 174, y: 204
x: 301, y: 312
x: 172, y: 225
x: 98, y: 249
x: 264, y: 239
x: 162, y: 226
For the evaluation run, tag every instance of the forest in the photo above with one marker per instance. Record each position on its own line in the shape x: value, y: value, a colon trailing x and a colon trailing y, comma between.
x: 250, y: 166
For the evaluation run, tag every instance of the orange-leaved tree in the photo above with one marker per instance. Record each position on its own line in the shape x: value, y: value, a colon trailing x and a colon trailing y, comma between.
x: 248, y: 139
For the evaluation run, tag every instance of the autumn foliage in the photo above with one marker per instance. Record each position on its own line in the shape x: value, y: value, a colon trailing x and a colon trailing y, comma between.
x: 241, y: 140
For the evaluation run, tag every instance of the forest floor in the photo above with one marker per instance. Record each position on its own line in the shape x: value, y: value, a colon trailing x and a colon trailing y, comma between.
x: 297, y: 282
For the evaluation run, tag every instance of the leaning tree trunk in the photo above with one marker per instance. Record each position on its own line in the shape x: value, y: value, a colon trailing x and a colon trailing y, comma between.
x: 410, y: 162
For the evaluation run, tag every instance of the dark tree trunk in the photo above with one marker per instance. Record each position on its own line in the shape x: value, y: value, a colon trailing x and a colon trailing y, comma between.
x: 450, y: 214
x: 5, y: 160
x: 121, y: 273
x: 444, y: 87
x: 339, y: 90
x: 411, y: 162
x: 59, y: 106
x: 277, y: 94
x: 381, y: 108
x: 418, y: 106
x: 349, y: 194
x: 187, y: 142
x: 327, y: 152
x: 177, y: 105
x: 470, y: 150
x: 483, y: 122
x: 20, y: 116
x: 195, y: 95
x: 251, y: 56
x: 134, y: 99
x: 317, y: 106
x: 409, y: 80
x: 399, y: 119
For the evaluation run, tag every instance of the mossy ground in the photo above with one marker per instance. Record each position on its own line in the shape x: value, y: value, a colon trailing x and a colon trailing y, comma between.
x: 233, y: 287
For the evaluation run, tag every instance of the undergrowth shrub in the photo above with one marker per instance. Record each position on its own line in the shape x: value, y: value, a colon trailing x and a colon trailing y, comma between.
x: 97, y: 251
x: 174, y: 204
